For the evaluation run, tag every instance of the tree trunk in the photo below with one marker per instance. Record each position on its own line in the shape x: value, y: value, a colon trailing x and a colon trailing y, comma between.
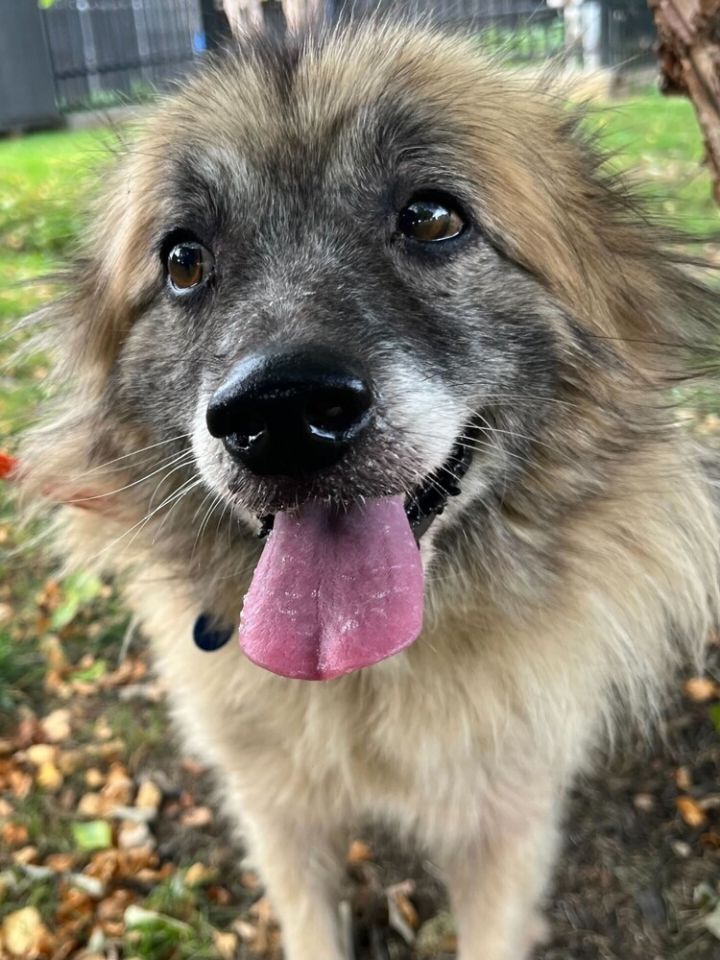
x: 689, y: 52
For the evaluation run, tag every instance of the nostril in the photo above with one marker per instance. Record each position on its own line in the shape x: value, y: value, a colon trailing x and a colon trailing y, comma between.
x: 335, y: 412
x: 248, y: 427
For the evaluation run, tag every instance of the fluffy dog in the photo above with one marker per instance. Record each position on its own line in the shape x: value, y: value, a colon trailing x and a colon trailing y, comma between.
x: 374, y: 292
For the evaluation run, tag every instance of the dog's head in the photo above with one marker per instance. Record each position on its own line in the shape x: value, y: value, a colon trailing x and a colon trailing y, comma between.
x: 359, y: 277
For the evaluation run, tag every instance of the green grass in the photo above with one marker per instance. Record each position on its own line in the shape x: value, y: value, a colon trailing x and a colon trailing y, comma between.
x: 657, y: 139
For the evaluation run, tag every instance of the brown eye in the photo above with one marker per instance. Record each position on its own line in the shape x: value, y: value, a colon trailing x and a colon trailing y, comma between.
x: 188, y: 265
x: 429, y: 221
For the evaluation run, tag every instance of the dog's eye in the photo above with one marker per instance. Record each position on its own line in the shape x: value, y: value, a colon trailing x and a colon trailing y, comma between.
x: 428, y: 221
x: 188, y: 265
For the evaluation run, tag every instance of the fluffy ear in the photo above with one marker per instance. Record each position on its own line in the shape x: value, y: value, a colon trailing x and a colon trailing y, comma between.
x: 107, y: 283
x: 114, y: 273
x: 579, y: 228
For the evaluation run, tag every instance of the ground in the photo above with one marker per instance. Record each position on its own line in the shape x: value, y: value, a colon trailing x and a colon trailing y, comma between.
x: 110, y: 845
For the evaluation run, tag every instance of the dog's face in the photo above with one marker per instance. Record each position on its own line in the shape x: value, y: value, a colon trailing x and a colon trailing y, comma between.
x: 357, y: 281
x: 295, y: 214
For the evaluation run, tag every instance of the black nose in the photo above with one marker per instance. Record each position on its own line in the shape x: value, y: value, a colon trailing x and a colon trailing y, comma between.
x: 290, y: 413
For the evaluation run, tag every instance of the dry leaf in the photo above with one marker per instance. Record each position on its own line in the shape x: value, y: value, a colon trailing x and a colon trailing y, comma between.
x: 90, y: 805
x: 149, y: 796
x: 103, y: 730
x: 198, y: 874
x: 197, y: 817
x: 60, y: 862
x: 94, y: 778
x: 226, y: 944
x: 700, y: 689
x: 359, y: 852
x: 245, y: 930
x: 49, y: 777
x: 14, y: 834
x: 23, y: 933
x: 56, y: 725
x: 71, y: 760
x: 39, y: 753
x: 25, y: 855
x: 683, y: 779
x: 20, y: 783
x: 691, y: 812
x: 118, y: 785
x: 6, y: 809
x: 134, y: 835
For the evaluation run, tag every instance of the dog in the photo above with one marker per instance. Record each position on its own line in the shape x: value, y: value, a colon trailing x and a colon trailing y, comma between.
x: 368, y: 357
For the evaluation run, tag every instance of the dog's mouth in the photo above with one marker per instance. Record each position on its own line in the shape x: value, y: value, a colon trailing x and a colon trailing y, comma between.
x: 427, y: 500
x: 339, y: 589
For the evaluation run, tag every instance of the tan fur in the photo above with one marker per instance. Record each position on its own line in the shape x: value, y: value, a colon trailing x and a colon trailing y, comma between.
x: 468, y: 740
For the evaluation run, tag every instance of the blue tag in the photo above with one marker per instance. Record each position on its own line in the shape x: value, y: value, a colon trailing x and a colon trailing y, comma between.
x: 208, y: 635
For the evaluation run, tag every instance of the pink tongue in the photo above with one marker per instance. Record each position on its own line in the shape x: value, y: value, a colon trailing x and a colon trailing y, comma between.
x: 334, y: 591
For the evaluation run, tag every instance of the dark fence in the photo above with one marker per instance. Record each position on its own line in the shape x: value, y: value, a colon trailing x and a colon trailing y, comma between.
x: 106, y: 50
x: 525, y: 32
x: 628, y: 34
x: 100, y: 52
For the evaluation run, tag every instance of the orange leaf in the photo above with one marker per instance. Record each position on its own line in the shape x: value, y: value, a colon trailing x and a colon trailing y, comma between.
x: 8, y: 464
x: 691, y: 813
x: 700, y: 689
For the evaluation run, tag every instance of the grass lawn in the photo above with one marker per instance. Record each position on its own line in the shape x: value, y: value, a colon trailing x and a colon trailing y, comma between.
x: 59, y: 641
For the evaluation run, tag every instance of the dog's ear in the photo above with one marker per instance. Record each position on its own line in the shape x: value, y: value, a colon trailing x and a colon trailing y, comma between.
x: 579, y: 226
x: 116, y: 270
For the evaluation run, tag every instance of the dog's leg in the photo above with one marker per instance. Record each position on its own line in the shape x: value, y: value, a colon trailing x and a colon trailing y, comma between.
x: 495, y: 883
x: 301, y: 862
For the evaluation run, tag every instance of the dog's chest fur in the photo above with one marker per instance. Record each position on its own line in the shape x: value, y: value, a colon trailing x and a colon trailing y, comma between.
x: 423, y: 740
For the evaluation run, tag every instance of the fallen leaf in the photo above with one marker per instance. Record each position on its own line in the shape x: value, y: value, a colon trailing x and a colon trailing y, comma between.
x: 23, y: 933
x: 149, y: 796
x: 133, y: 835
x: 700, y: 689
x: 71, y: 760
x: 93, y: 835
x: 20, y: 783
x: 118, y: 785
x: 94, y: 778
x: 49, y: 777
x: 25, y: 855
x: 90, y: 805
x: 60, y: 862
x: 56, y: 726
x: 359, y: 852
x: 691, y: 812
x: 14, y: 834
x: 683, y: 779
x: 226, y: 944
x: 197, y: 817
x: 39, y: 753
x: 198, y: 874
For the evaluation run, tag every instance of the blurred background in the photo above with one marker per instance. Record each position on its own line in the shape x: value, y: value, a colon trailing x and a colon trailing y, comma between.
x: 111, y: 847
